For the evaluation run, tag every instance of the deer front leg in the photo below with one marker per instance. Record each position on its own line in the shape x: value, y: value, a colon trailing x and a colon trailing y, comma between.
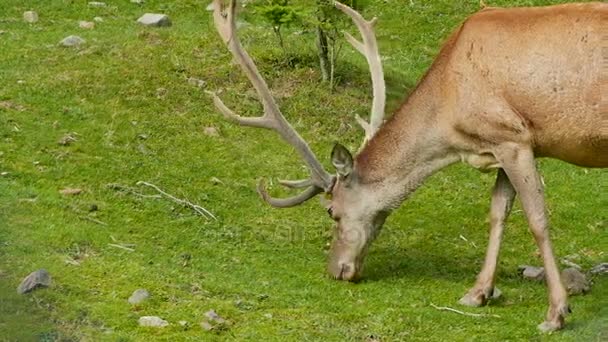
x: 519, y: 165
x: 501, y: 204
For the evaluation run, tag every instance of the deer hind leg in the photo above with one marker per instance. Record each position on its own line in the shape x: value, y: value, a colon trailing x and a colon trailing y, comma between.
x: 501, y: 204
x: 519, y: 165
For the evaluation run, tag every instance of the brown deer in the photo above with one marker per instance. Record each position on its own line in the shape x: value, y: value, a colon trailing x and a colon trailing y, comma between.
x: 509, y: 85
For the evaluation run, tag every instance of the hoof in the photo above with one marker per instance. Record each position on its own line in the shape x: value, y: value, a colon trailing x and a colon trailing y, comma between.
x: 548, y: 327
x: 479, y: 298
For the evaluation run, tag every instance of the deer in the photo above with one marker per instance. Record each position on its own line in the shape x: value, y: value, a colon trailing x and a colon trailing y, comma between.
x: 509, y: 85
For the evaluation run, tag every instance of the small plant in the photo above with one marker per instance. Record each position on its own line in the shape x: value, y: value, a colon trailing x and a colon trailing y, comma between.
x: 279, y: 13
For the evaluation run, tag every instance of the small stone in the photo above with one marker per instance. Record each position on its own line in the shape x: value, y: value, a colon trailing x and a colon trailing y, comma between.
x: 34, y: 280
x: 575, y: 281
x: 139, y: 296
x: 98, y: 19
x: 211, y: 131
x: 72, y: 40
x: 154, y: 19
x: 67, y: 140
x: 206, y: 326
x: 70, y: 191
x: 197, y: 82
x: 532, y: 272
x: 87, y: 25
x: 30, y: 17
x: 152, y: 321
x: 4, y: 173
x: 183, y: 323
x: 216, y: 181
x: 97, y: 4
x: 214, y: 317
x: 600, y: 269
x: 268, y: 315
x: 137, y: 2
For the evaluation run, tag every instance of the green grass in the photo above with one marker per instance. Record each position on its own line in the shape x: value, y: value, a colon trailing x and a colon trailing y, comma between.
x: 254, y: 260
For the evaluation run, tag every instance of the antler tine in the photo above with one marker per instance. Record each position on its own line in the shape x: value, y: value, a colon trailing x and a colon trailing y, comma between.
x: 368, y: 48
x: 320, y: 179
x: 290, y: 201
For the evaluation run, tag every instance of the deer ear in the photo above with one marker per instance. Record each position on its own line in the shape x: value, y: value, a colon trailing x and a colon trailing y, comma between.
x: 342, y: 160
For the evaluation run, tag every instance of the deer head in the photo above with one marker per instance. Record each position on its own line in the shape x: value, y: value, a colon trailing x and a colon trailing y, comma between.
x: 354, y: 207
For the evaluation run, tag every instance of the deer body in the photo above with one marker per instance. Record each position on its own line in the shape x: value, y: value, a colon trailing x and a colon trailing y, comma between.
x: 508, y: 86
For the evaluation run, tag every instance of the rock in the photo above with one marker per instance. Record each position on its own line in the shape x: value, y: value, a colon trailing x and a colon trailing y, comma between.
x: 183, y: 323
x: 87, y: 25
x: 137, y: 2
x: 211, y: 132
x: 600, y: 269
x: 575, y: 281
x: 214, y: 317
x: 70, y: 41
x: 67, y: 140
x: 70, y: 191
x: 97, y: 4
x: 30, y: 17
x: 197, y: 82
x: 4, y: 173
x: 139, y: 296
x: 532, y: 272
x: 34, y: 280
x: 154, y: 19
x: 206, y: 326
x: 268, y: 315
x: 152, y: 321
x: 98, y: 19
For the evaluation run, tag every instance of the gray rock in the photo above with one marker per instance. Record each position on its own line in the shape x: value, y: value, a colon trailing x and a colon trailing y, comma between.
x: 154, y: 19
x: 206, y: 326
x: 532, y: 272
x: 214, y: 317
x: 97, y: 4
x: 600, y: 269
x: 30, y: 17
x: 575, y: 281
x: 87, y: 25
x: 70, y: 41
x: 197, y: 82
x: 139, y: 296
x: 34, y: 280
x: 211, y: 131
x: 98, y: 19
x: 152, y: 321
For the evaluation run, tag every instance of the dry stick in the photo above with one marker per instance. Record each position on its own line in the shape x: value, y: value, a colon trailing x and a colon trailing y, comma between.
x: 445, y: 308
x: 129, y: 190
x: 121, y: 247
x: 197, y: 208
x: 92, y: 220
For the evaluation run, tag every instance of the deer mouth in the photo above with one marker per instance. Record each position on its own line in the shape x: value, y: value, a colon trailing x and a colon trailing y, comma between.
x: 345, y: 271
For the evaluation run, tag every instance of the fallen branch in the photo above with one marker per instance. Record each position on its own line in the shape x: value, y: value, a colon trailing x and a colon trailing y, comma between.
x: 197, y: 208
x: 445, y: 308
x: 92, y: 220
x: 129, y: 190
x: 121, y: 247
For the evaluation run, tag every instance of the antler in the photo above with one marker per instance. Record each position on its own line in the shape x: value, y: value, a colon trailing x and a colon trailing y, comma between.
x: 369, y: 49
x: 320, y: 180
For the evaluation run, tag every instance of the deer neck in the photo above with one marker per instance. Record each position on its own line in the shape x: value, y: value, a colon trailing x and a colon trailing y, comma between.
x: 408, y: 148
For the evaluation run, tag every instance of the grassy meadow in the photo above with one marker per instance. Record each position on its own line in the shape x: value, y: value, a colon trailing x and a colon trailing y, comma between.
x: 119, y: 109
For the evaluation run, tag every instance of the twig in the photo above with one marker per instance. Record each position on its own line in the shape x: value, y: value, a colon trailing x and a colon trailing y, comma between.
x: 445, y: 308
x: 129, y: 190
x: 92, y: 220
x: 121, y: 247
x: 197, y: 208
